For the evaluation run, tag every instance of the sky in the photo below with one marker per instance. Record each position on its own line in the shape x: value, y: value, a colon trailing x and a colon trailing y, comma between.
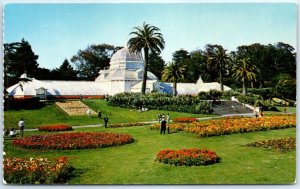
x: 59, y: 31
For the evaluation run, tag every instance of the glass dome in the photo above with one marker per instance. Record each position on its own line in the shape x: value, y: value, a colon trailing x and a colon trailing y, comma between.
x: 124, y: 55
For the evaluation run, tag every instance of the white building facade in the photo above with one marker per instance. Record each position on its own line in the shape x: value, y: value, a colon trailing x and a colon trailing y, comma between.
x: 124, y: 75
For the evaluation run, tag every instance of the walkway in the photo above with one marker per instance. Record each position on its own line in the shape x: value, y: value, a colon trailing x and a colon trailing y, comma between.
x: 151, y: 122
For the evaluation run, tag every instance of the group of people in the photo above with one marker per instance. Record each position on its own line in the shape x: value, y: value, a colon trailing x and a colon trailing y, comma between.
x: 164, y: 120
x: 12, y: 132
x: 258, y: 113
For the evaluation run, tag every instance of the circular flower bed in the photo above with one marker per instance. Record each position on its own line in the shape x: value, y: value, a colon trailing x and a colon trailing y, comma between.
x: 193, y: 156
x: 284, y: 144
x: 55, y: 128
x: 74, y: 140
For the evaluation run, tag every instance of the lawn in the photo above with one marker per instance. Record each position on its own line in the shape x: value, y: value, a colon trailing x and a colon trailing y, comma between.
x: 51, y: 114
x: 135, y: 163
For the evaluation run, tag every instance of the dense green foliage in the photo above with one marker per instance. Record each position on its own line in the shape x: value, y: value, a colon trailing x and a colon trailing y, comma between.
x: 161, y: 102
x: 94, y: 58
x: 18, y: 59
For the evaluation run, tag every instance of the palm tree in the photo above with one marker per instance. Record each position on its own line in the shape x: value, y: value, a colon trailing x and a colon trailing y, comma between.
x: 147, y: 38
x: 245, y: 72
x: 218, y: 60
x: 172, y: 72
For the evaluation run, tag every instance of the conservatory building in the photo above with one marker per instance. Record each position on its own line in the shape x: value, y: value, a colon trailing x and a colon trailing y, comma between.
x: 124, y: 75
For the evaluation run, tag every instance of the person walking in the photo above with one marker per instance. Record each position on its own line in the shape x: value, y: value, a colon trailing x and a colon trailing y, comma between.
x: 163, y: 125
x: 21, y: 125
x: 105, y: 121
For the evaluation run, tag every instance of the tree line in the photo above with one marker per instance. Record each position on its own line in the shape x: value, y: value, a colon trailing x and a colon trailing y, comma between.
x: 254, y: 66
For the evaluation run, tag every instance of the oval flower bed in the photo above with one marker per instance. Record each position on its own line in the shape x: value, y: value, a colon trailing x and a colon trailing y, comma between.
x: 189, y: 157
x: 75, y: 140
x: 55, y: 128
x: 36, y: 170
x: 284, y: 144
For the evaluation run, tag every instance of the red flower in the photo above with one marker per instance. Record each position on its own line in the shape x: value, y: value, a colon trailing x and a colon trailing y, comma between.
x: 54, y: 128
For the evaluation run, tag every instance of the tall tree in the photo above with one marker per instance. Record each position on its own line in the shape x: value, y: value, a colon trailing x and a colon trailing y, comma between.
x: 90, y: 61
x: 146, y: 38
x: 183, y: 57
x: 156, y: 64
x: 64, y: 72
x: 18, y: 59
x: 172, y: 73
x: 218, y: 60
x: 244, y: 71
x: 198, y: 67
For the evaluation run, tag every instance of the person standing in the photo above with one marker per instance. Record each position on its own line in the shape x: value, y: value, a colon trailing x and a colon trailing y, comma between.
x: 105, y: 121
x: 21, y: 126
x: 159, y: 117
x: 163, y: 126
x: 99, y: 114
x: 88, y: 113
x: 168, y: 118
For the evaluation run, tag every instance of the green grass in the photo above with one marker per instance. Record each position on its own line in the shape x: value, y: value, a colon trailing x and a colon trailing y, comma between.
x: 135, y: 163
x: 51, y: 114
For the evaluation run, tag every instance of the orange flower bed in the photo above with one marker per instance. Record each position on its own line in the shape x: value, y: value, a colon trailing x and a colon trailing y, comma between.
x: 74, y: 140
x: 189, y: 157
x: 283, y: 144
x: 55, y: 128
x: 36, y: 170
x: 234, y: 125
x: 184, y: 119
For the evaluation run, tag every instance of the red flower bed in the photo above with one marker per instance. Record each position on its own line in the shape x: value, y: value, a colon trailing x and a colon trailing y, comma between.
x: 74, y: 140
x: 55, y: 128
x: 184, y: 119
x: 193, y: 156
x: 36, y: 170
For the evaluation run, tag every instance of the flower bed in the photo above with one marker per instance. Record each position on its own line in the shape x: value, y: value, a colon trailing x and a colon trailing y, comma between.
x: 284, y: 144
x: 130, y: 124
x: 55, y: 128
x: 184, y: 119
x: 73, y: 108
x: 36, y: 170
x: 234, y: 125
x: 189, y: 157
x: 74, y: 140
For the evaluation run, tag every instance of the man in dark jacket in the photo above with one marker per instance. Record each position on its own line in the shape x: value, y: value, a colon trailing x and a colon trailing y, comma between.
x: 163, y: 125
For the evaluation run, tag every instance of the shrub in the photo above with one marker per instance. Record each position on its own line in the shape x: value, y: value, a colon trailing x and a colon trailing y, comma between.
x: 284, y: 144
x: 36, y: 170
x: 72, y: 141
x: 228, y: 94
x: 55, y: 128
x: 22, y: 103
x: 181, y: 103
x: 189, y: 157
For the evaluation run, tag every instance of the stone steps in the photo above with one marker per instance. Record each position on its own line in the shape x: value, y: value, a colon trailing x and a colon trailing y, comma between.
x: 230, y: 107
